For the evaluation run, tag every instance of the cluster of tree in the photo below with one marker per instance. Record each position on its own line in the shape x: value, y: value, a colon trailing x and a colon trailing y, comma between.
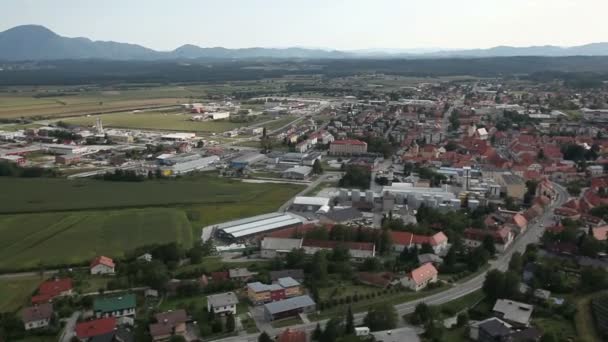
x: 120, y: 175
x: 380, y: 145
x: 433, y: 176
x: 430, y: 318
x: 380, y: 237
x: 579, y: 153
x: 530, y: 191
x: 454, y: 120
x: 499, y: 285
x: 317, y: 168
x: 587, y: 244
x: 64, y: 135
x: 356, y: 177
x: 77, y: 72
x: 8, y: 169
x: 511, y: 118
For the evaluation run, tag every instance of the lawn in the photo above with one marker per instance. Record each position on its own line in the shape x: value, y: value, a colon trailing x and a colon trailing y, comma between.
x: 15, y: 292
x: 286, y: 322
x: 584, y: 320
x: 463, y: 303
x: 213, y: 264
x: 559, y: 326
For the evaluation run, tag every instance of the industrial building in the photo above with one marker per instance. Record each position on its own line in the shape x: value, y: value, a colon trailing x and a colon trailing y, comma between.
x: 189, y: 166
x: 246, y: 160
x: 310, y: 204
x: 248, y: 227
x: 297, y: 172
x: 178, y: 137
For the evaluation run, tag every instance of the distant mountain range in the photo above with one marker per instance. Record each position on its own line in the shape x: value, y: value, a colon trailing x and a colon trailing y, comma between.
x: 33, y: 42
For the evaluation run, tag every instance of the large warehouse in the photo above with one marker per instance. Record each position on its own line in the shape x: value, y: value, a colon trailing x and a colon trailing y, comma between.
x: 247, y: 227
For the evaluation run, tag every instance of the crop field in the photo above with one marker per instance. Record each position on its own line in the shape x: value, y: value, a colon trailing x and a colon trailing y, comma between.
x: 15, y: 291
x: 20, y: 195
x: 49, y: 222
x: 69, y: 238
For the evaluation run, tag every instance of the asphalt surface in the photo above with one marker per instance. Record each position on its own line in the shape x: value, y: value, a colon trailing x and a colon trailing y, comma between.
x: 531, y: 235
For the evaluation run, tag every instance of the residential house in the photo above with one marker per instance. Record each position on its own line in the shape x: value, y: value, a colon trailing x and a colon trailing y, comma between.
x: 102, y: 265
x: 512, y: 312
x: 259, y: 293
x: 51, y: 289
x: 489, y: 330
x: 38, y: 316
x: 402, y: 240
x: 503, y: 237
x: 168, y: 324
x: 289, y: 307
x: 600, y: 233
x: 241, y: 274
x: 292, y: 287
x: 115, y: 306
x: 396, y: 335
x: 296, y: 274
x: 223, y: 303
x: 95, y: 328
x: 420, y: 277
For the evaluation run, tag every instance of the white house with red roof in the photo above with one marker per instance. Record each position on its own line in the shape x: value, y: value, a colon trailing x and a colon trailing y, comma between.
x: 403, y: 240
x: 420, y: 277
x: 102, y: 265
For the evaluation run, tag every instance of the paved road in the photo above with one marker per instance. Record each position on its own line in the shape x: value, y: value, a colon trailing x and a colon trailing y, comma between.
x: 531, y: 235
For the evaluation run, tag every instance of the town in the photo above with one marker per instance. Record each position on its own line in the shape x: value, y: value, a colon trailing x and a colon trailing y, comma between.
x: 438, y: 210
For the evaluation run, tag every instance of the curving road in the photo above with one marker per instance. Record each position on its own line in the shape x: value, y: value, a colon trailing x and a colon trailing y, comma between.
x: 531, y: 235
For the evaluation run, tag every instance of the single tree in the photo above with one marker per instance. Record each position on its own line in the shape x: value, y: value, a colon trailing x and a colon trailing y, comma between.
x: 317, y: 333
x: 230, y: 323
x: 317, y: 168
x: 350, y: 322
x: 264, y: 337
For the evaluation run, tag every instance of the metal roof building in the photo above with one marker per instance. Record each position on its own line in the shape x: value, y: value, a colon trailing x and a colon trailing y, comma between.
x: 257, y: 224
x: 289, y: 307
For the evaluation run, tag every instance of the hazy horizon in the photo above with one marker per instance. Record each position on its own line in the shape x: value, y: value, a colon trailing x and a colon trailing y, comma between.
x: 338, y: 24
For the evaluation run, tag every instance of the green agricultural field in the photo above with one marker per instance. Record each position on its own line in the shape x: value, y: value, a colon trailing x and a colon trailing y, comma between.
x: 30, y: 240
x: 51, y: 222
x: 20, y: 195
x: 14, y: 292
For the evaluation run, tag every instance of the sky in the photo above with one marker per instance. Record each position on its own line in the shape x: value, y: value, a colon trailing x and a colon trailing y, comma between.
x: 335, y: 24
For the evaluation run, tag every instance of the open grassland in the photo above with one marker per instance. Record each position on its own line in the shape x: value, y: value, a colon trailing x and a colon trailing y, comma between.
x: 52, y: 222
x: 21, y: 195
x: 52, y: 101
x: 173, y: 122
x: 14, y: 292
x: 71, y: 238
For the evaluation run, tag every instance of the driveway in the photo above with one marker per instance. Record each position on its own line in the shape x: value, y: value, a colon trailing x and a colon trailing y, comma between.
x: 68, y: 330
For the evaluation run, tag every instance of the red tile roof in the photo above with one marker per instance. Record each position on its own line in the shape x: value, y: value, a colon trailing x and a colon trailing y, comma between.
x: 37, y: 313
x: 408, y: 239
x: 290, y: 335
x: 423, y: 273
x: 96, y: 327
x: 349, y: 142
x: 51, y: 289
x: 102, y: 260
x: 600, y: 233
